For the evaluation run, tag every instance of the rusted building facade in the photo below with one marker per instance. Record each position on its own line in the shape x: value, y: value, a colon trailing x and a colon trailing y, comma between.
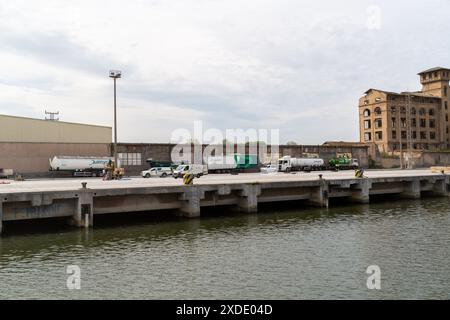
x: 414, y: 121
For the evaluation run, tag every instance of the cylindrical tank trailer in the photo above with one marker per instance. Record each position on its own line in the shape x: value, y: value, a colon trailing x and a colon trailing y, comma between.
x: 287, y: 164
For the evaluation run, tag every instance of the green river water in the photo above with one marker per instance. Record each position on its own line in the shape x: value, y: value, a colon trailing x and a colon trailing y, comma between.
x: 294, y: 252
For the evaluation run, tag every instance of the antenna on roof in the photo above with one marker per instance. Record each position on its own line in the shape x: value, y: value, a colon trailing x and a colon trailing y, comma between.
x: 51, y: 115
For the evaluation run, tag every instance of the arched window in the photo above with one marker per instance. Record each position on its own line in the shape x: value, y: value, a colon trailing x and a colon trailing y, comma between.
x: 377, y: 110
x: 422, y: 111
x: 393, y: 109
x: 367, y: 113
x: 403, y: 110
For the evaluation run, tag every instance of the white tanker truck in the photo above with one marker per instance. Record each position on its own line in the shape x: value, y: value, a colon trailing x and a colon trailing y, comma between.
x: 287, y: 164
x: 80, y: 166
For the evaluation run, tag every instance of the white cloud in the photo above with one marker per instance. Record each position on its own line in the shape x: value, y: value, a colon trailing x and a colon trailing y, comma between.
x: 299, y: 66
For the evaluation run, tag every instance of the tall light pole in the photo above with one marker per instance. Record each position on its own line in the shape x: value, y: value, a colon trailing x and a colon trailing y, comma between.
x: 115, y: 74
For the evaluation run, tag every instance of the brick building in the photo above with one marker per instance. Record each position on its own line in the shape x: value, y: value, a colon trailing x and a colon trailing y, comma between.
x: 404, y: 121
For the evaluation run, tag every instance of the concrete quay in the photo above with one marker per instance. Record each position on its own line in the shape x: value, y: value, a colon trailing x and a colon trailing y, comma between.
x: 68, y: 198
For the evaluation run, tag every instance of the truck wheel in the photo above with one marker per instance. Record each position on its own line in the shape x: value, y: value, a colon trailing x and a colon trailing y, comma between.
x: 147, y: 175
x: 163, y: 175
x: 199, y: 175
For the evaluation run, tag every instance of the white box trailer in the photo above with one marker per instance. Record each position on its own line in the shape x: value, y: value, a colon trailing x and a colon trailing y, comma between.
x: 80, y: 166
x: 6, y: 173
x: 221, y: 163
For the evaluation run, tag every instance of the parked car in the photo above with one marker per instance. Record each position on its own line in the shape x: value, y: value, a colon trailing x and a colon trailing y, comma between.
x: 161, y: 172
x: 270, y: 168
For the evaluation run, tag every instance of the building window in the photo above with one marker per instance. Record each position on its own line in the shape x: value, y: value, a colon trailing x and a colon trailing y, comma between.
x: 366, y: 124
x: 377, y: 99
x: 130, y: 159
x: 413, y: 123
x: 445, y: 90
x: 423, y: 135
x: 393, y: 109
x: 422, y: 111
x: 432, y: 123
x: 367, y: 113
x: 431, y: 112
x: 403, y: 134
x: 403, y: 121
x: 366, y: 101
x: 423, y: 123
x: 403, y: 110
x: 377, y: 110
x: 378, y: 123
x: 367, y: 136
x: 446, y: 105
x: 413, y: 110
x: 432, y: 135
x: 394, y: 134
x: 378, y: 135
x: 414, y: 135
x: 393, y: 122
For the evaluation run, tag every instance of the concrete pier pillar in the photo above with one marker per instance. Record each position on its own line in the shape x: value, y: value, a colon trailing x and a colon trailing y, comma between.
x: 319, y: 195
x: 440, y: 188
x: 248, y: 201
x: 84, y: 210
x: 411, y: 189
x: 191, y: 197
x: 360, y: 191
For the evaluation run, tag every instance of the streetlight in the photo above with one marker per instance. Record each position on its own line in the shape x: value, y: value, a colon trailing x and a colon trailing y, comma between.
x: 115, y: 74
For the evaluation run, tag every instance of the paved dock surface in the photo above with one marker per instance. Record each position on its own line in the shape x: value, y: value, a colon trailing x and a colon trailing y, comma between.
x: 65, y: 184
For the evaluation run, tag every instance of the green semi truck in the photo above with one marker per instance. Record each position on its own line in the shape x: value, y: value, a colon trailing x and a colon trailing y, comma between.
x: 343, y: 163
x: 232, y: 163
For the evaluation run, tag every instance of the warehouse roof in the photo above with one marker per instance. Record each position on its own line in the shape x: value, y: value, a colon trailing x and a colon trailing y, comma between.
x: 56, y: 121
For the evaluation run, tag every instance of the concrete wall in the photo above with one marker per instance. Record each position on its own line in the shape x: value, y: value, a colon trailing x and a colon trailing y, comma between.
x: 433, y: 158
x: 18, y: 129
x: 421, y: 160
x: 32, y: 158
x: 162, y: 152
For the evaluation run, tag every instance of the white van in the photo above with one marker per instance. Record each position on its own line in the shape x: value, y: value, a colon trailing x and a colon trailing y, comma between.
x: 197, y: 170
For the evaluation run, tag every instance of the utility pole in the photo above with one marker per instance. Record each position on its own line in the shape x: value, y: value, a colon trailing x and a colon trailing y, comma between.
x: 115, y: 74
x: 400, y: 136
x: 409, y: 131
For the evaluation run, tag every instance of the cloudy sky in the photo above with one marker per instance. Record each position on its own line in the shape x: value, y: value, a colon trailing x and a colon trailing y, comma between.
x: 298, y: 66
